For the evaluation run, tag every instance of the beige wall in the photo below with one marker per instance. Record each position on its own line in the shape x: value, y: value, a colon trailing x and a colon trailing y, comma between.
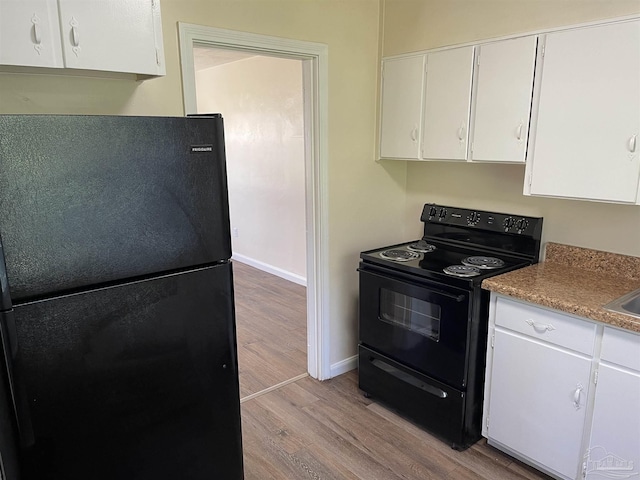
x: 413, y: 25
x: 261, y: 100
x: 364, y: 198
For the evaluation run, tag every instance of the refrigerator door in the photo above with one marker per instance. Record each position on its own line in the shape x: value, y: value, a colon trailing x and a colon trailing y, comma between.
x: 5, y: 298
x: 136, y: 381
x: 8, y: 420
x: 8, y: 426
x: 88, y: 200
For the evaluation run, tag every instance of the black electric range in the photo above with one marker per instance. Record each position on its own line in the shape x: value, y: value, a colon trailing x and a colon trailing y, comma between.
x: 423, y: 315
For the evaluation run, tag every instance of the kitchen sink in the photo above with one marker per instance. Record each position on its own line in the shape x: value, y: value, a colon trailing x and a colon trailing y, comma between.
x: 628, y: 304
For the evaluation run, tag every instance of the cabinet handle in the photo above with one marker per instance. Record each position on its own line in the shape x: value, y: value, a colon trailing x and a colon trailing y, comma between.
x: 75, y: 36
x: 519, y: 135
x: 37, y: 37
x: 576, y: 396
x: 414, y: 134
x: 633, y: 143
x: 461, y: 133
x: 37, y: 34
x: 540, y: 327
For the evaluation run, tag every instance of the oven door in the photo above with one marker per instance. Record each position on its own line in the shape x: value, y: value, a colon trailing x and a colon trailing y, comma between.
x: 417, y: 323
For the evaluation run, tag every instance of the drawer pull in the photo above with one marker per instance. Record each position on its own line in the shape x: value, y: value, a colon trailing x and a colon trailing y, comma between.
x: 405, y: 377
x: 576, y: 396
x: 540, y: 327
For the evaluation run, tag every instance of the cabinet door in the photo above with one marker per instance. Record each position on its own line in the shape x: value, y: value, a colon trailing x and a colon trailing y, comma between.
x: 401, y: 113
x: 538, y: 396
x: 502, y: 105
x: 112, y: 35
x: 614, y: 447
x: 586, y: 141
x: 30, y: 33
x: 447, y: 103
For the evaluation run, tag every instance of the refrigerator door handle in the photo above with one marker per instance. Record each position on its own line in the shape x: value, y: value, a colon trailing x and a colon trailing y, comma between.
x: 5, y: 298
x: 18, y: 393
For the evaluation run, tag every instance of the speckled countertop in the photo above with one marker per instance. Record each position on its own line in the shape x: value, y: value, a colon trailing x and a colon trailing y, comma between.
x: 575, y: 280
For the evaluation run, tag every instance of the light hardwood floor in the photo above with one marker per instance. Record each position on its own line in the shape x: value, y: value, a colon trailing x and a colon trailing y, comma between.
x: 271, y: 326
x: 328, y: 430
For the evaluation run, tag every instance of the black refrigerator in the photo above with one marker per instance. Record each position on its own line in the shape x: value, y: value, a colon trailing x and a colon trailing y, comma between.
x: 117, y: 315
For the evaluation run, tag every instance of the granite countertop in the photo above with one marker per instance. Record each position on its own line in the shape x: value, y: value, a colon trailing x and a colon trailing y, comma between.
x: 575, y: 280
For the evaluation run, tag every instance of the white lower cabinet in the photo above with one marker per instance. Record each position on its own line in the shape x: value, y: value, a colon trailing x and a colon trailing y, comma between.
x: 614, y: 444
x: 538, y: 401
x: 554, y: 401
x: 540, y: 375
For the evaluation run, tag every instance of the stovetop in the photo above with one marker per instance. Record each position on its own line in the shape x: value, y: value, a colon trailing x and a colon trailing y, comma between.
x: 510, y: 241
x: 432, y: 264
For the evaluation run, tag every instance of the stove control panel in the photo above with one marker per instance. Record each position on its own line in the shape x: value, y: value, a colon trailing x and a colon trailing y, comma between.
x: 481, y: 220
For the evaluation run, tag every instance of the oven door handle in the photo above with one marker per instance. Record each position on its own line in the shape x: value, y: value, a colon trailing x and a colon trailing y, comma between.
x: 458, y: 298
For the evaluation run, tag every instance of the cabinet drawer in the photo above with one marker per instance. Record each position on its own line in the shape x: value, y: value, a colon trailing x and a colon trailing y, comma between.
x: 555, y: 328
x: 621, y: 348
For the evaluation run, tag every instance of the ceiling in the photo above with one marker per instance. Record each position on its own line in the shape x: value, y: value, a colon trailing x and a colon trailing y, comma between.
x: 208, y: 57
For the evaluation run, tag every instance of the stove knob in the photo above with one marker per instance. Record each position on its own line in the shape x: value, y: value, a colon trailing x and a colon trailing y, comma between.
x: 443, y: 213
x: 508, y: 223
x: 473, y: 218
x: 522, y: 224
x: 433, y: 211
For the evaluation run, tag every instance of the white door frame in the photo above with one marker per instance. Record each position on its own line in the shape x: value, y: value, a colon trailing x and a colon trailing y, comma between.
x: 314, y: 58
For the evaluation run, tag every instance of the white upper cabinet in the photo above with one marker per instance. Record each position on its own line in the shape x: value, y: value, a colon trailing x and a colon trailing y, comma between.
x: 111, y: 35
x: 447, y: 103
x: 585, y: 141
x: 503, y: 85
x: 107, y: 35
x: 30, y: 33
x: 401, y: 110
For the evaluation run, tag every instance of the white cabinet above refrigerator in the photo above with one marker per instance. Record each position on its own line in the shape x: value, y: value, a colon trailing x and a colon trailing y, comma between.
x: 122, y: 36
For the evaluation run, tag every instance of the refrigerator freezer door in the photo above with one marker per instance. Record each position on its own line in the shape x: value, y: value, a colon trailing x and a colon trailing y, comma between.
x: 136, y: 381
x: 88, y: 200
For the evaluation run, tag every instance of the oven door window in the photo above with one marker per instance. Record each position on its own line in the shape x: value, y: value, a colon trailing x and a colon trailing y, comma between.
x: 410, y: 313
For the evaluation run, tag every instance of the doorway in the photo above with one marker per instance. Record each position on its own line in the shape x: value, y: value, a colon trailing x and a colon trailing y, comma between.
x: 261, y: 100
x: 313, y: 58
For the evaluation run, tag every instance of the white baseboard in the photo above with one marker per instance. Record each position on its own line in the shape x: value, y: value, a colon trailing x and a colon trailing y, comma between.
x: 344, y: 366
x: 265, y: 267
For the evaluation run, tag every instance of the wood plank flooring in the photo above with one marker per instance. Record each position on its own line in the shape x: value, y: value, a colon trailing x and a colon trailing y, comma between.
x: 328, y: 430
x: 271, y: 326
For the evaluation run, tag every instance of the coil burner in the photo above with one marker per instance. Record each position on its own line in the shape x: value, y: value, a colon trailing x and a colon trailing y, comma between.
x: 421, y: 247
x: 461, y: 271
x: 483, y: 263
x: 399, y: 255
